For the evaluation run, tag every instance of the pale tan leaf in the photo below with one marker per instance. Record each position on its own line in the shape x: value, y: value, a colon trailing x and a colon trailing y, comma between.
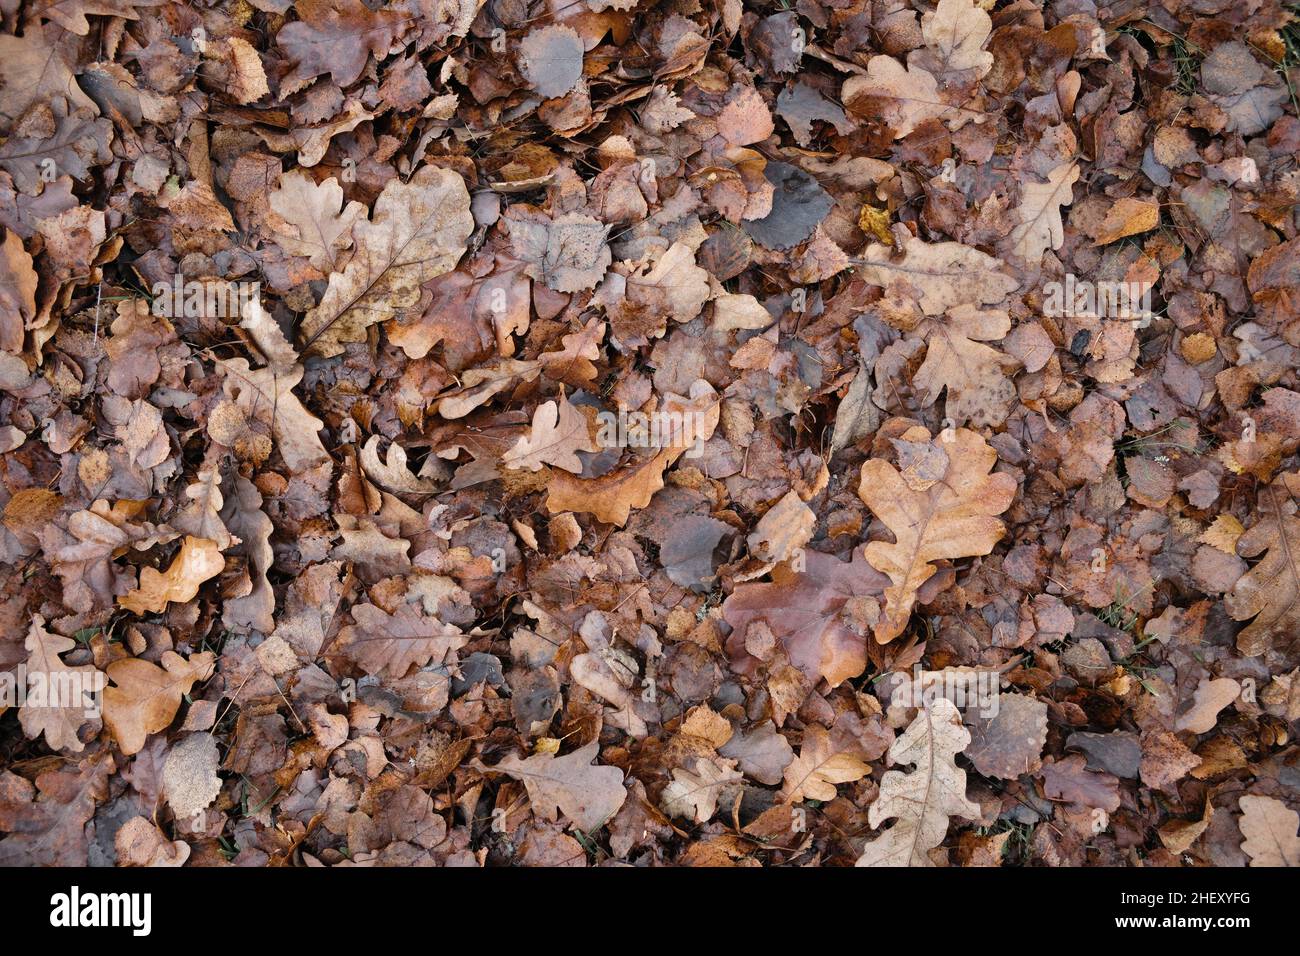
x: 418, y: 231
x: 67, y: 702
x: 1269, y: 827
x: 937, y: 275
x: 145, y: 697
x: 558, y: 433
x: 312, y: 219
x: 921, y: 802
x: 1039, y: 225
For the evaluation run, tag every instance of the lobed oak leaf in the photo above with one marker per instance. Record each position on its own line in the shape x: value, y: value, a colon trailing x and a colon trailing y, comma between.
x: 418, y: 231
x: 921, y: 802
x: 589, y: 795
x: 335, y: 37
x: 559, y: 431
x: 199, y: 560
x: 937, y: 276
x: 46, y: 824
x: 974, y: 374
x: 694, y: 791
x: 1269, y: 827
x: 826, y: 758
x: 955, y: 33
x: 1268, y: 595
x: 954, y: 518
x: 68, y: 700
x: 1039, y: 227
x: 392, y: 644
x: 903, y: 97
x: 313, y: 220
x: 144, y: 697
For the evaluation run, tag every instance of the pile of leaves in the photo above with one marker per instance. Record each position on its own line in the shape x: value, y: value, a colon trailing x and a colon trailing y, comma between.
x: 314, y: 317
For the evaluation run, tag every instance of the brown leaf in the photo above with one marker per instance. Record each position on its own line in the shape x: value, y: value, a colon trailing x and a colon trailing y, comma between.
x: 952, y: 519
x: 144, y: 697
x: 199, y: 560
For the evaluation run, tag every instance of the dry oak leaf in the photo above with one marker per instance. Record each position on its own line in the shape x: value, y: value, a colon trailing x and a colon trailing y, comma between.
x: 1211, y: 697
x: 694, y: 793
x: 417, y: 233
x: 955, y: 34
x: 550, y: 59
x: 56, y: 714
x: 954, y: 518
x: 676, y: 286
x: 390, y: 645
x: 826, y: 758
x: 145, y: 697
x: 315, y: 223
x: 937, y: 275
x: 588, y: 795
x: 199, y: 560
x: 33, y: 70
x: 1039, y: 213
x: 922, y: 801
x: 266, y: 395
x: 392, y: 474
x: 973, y: 373
x: 904, y: 98
x: 1270, y: 591
x: 17, y: 292
x: 200, y: 516
x: 1128, y: 217
x: 783, y: 530
x: 612, y: 497
x: 1269, y: 827
x: 558, y: 433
